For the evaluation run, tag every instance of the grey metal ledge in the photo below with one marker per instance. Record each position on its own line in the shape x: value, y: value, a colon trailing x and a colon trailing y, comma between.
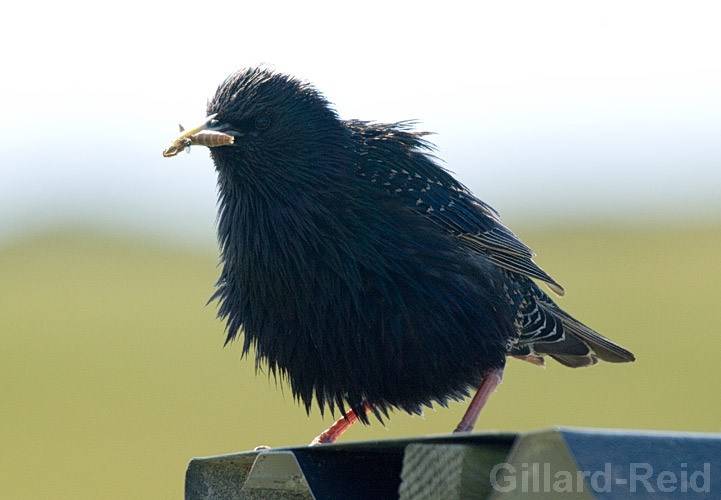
x: 552, y: 463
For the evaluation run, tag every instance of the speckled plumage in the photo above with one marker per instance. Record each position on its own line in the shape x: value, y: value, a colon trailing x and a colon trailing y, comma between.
x: 362, y: 271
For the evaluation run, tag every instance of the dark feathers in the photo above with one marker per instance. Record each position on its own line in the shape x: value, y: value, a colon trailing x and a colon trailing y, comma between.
x: 362, y: 271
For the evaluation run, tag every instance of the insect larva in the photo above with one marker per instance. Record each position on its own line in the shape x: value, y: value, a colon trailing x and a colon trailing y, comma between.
x: 210, y: 138
x: 178, y: 145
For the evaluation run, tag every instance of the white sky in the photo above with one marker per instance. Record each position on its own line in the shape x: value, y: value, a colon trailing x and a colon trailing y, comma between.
x: 541, y: 108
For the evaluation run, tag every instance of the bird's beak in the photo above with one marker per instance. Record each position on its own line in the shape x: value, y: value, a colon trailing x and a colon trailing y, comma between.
x: 206, y: 134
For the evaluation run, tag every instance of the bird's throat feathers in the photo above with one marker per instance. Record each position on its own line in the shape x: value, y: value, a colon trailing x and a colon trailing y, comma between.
x: 284, y: 240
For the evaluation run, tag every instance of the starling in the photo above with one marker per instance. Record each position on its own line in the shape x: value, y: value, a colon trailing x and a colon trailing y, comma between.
x: 359, y: 269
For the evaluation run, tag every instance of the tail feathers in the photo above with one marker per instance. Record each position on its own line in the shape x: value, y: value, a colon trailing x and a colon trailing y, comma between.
x: 580, y: 346
x: 548, y: 330
x: 599, y: 345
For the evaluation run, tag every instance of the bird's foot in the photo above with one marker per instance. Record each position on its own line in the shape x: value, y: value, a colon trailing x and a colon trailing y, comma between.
x: 487, y: 387
x: 339, y: 427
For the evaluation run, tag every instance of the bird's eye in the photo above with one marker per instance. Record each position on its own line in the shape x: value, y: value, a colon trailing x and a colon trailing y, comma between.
x: 262, y: 122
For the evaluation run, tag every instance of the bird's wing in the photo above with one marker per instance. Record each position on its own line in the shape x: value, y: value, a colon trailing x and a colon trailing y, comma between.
x: 479, y: 229
x: 433, y: 192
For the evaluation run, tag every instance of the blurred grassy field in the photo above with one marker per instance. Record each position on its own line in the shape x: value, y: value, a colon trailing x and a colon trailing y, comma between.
x: 112, y: 372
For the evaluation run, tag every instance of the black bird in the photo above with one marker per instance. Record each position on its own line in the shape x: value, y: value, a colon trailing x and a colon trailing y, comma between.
x: 359, y: 269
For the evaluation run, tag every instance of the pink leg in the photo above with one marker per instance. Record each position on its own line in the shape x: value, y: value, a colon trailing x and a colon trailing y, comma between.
x: 489, y: 384
x: 339, y: 427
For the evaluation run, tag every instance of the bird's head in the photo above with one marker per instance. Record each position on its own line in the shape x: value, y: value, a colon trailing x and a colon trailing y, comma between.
x: 281, y: 128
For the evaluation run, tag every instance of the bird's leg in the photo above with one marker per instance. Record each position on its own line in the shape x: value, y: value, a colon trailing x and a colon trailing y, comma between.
x: 489, y: 384
x: 339, y: 427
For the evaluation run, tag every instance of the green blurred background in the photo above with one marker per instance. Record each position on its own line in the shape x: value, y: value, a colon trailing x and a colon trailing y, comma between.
x: 114, y: 376
x: 594, y: 128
